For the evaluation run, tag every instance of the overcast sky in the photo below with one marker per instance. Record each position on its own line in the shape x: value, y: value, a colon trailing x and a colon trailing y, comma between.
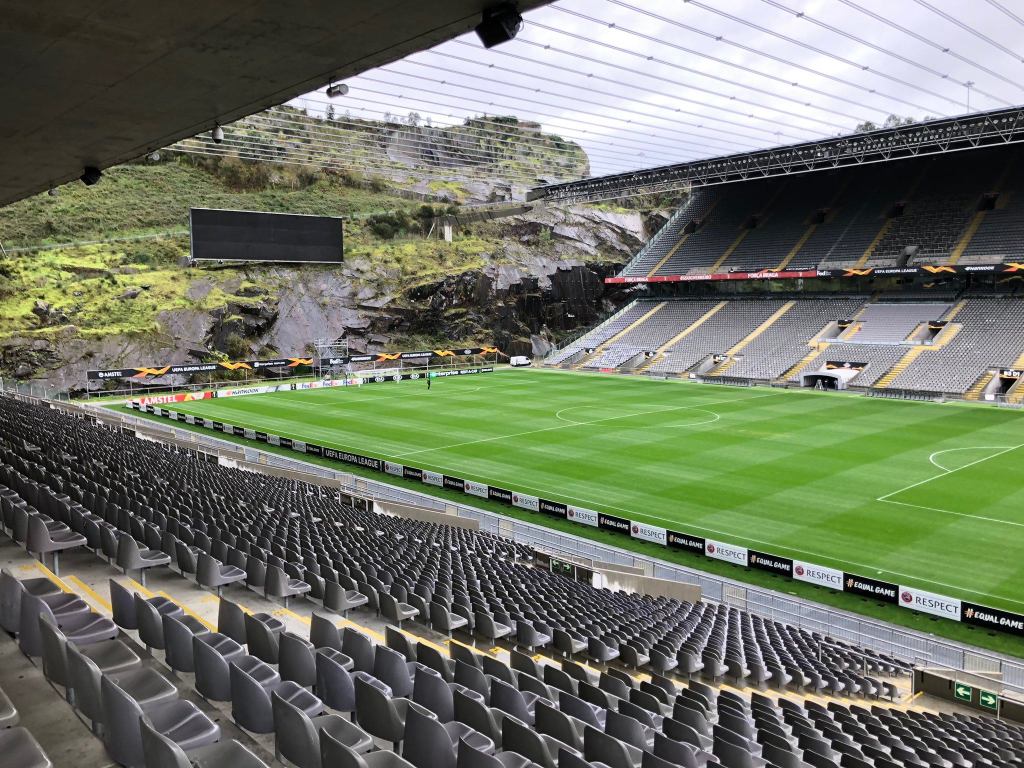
x: 641, y: 83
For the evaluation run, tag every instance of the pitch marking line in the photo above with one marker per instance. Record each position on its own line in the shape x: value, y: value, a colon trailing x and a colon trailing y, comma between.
x: 887, y: 498
x: 579, y: 424
x: 715, y: 416
x: 967, y: 448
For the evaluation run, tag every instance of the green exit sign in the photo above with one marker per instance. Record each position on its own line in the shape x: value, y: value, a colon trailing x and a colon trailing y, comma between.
x: 988, y: 700
x: 963, y: 692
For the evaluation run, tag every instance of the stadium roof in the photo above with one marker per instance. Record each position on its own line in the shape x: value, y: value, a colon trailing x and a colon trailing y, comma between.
x: 100, y: 82
x: 978, y: 131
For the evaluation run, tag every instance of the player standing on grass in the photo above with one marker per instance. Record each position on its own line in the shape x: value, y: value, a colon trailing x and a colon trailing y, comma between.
x: 428, y: 381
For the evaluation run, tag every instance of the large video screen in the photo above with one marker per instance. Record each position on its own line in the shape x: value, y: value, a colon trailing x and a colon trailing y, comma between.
x: 251, y: 236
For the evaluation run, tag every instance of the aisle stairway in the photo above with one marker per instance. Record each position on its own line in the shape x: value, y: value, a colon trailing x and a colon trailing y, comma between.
x: 730, y: 362
x: 679, y: 337
x: 609, y: 342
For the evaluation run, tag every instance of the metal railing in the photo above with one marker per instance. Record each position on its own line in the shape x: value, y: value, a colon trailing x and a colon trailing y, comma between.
x: 1003, y: 672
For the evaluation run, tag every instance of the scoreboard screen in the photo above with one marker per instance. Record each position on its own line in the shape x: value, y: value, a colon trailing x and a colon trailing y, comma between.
x: 219, y: 235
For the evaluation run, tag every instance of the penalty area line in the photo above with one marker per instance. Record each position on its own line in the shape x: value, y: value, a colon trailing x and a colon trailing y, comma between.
x: 948, y: 472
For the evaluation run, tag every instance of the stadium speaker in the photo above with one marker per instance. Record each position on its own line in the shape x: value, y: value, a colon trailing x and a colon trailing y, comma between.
x: 500, y: 24
x: 90, y: 175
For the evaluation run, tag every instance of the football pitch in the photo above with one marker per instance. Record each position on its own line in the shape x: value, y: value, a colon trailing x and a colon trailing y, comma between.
x: 921, y: 494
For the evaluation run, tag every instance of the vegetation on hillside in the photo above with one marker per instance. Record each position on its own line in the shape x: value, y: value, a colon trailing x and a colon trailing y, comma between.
x: 405, y: 148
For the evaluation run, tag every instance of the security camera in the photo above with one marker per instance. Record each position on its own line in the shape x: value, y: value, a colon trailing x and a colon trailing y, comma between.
x: 499, y: 24
x: 217, y: 134
x: 336, y: 89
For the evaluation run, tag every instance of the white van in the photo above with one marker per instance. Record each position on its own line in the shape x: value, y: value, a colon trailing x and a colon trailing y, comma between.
x: 519, y: 361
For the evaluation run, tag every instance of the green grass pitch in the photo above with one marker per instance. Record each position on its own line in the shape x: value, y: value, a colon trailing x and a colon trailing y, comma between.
x: 922, y: 494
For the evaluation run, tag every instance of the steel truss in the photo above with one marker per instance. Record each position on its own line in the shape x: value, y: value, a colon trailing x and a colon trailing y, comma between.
x: 977, y: 131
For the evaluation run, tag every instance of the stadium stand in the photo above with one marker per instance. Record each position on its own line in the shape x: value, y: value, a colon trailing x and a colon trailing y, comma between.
x: 989, y: 337
x: 715, y: 336
x: 784, y: 343
x: 614, y: 325
x: 999, y: 231
x: 894, y: 343
x: 883, y: 323
x: 409, y: 703
x: 934, y: 210
x: 659, y: 329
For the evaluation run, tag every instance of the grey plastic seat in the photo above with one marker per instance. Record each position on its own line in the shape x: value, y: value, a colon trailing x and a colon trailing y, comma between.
x: 569, y: 760
x: 81, y: 627
x: 391, y: 668
x: 470, y: 757
x: 146, y: 686
x: 598, y: 745
x: 160, y: 752
x: 251, y: 705
x: 262, y: 639
x: 213, y: 674
x: 11, y: 590
x: 601, y: 652
x: 394, y: 610
x: 279, y: 584
x: 122, y: 601
x: 43, y: 541
x: 178, y: 720
x: 677, y: 752
x: 335, y: 754
x: 491, y: 629
x: 21, y: 750
x: 341, y: 600
x: 512, y: 702
x: 60, y: 603
x: 358, y: 647
x: 430, y: 690
x: 186, y: 558
x: 429, y: 742
x: 323, y: 632
x: 56, y: 664
x: 542, y: 749
x: 8, y: 712
x: 295, y: 660
x: 151, y: 623
x: 528, y: 637
x: 566, y: 643
x: 179, y: 640
x: 212, y: 574
x: 629, y: 730
x: 581, y: 710
x: 431, y: 657
x: 398, y: 641
x: 553, y: 722
x: 297, y: 735
x: 335, y: 685
x: 465, y: 654
x: 131, y: 557
x: 382, y: 716
x: 231, y: 620
x: 475, y: 713
x: 632, y: 656
x: 443, y: 620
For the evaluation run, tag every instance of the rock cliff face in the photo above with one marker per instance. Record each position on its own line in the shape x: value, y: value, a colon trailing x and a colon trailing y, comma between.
x: 542, y: 278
